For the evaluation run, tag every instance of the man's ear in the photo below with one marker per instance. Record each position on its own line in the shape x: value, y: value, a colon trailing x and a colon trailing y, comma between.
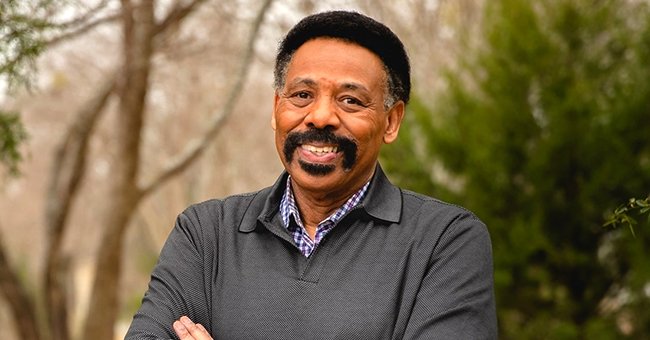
x: 275, y: 106
x: 394, y: 120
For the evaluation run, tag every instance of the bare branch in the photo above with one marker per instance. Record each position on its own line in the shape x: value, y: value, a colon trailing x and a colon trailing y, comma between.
x: 40, y: 28
x: 68, y: 163
x: 82, y: 19
x: 68, y: 170
x: 177, y: 15
x: 81, y: 30
x: 174, y: 17
x: 196, y: 148
x: 138, y: 47
x: 21, y: 305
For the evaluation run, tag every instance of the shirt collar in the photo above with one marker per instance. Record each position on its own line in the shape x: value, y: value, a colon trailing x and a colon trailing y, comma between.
x: 383, y: 201
x: 288, y: 207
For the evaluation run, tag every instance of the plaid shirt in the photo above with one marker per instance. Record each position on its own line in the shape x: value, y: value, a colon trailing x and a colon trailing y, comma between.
x: 288, y: 209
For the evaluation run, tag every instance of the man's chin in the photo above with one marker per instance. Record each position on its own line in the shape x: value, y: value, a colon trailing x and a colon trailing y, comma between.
x: 316, y: 169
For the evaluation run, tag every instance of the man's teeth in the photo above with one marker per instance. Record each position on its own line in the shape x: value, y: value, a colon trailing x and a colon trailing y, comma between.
x: 323, y: 149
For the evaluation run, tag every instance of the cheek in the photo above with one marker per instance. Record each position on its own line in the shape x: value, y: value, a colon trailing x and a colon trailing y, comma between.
x: 367, y: 132
x: 370, y: 142
x: 286, y: 121
x: 279, y: 146
x: 279, y: 139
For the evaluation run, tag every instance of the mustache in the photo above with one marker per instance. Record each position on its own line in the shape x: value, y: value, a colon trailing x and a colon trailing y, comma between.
x: 344, y: 144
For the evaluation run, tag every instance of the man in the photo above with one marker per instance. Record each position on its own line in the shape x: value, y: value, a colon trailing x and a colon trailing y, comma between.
x: 332, y: 250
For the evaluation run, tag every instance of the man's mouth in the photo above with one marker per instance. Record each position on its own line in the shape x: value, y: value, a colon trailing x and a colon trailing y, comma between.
x: 320, y: 150
x: 326, y: 154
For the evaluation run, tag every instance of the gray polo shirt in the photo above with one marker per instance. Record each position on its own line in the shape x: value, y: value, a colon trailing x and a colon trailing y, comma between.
x: 399, y: 266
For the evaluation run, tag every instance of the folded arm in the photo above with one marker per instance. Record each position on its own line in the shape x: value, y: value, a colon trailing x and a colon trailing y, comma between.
x: 177, y: 285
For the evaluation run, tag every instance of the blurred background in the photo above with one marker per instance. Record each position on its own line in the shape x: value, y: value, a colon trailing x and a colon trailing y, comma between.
x: 117, y: 115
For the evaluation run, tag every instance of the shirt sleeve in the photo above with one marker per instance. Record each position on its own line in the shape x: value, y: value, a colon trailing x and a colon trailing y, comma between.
x: 177, y: 285
x: 456, y: 296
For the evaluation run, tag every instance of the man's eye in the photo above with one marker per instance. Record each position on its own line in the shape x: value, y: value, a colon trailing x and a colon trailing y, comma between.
x: 352, y: 102
x: 300, y: 99
x: 300, y: 95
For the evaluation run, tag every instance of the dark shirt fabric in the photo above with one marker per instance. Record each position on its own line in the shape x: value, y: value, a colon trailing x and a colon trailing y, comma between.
x: 398, y: 266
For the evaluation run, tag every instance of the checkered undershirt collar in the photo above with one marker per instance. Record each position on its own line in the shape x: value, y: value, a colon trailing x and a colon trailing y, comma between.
x: 288, y: 209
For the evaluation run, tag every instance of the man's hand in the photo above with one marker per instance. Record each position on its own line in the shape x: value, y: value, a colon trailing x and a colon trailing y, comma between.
x: 186, y: 329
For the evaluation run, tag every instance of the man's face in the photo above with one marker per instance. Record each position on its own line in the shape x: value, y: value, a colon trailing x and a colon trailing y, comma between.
x: 329, y: 119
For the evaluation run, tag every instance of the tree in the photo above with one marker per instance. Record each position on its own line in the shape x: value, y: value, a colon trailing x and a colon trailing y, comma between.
x: 142, y: 36
x: 542, y: 129
x: 26, y: 29
x: 19, y: 45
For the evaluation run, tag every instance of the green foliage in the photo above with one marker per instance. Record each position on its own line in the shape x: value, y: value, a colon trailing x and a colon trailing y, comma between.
x: 12, y: 133
x: 23, y: 26
x: 622, y: 214
x: 546, y: 127
x: 402, y: 155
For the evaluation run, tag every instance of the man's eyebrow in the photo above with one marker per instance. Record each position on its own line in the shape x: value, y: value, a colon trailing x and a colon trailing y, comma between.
x: 348, y: 85
x: 354, y: 86
x: 304, y: 81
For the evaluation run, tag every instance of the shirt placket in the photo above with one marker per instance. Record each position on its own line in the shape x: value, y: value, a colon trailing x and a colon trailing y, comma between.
x: 304, y: 243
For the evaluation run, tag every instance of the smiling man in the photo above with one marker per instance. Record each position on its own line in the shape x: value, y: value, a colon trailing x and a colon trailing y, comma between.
x: 332, y: 250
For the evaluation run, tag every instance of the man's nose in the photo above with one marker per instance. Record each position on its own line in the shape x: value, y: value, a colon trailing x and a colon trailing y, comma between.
x: 323, y: 114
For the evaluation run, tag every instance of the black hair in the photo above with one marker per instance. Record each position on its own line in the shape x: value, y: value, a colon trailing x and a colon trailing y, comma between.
x: 355, y: 28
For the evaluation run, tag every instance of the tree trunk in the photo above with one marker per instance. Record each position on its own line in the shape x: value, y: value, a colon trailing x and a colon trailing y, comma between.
x: 21, y: 305
x: 68, y: 170
x: 123, y: 195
